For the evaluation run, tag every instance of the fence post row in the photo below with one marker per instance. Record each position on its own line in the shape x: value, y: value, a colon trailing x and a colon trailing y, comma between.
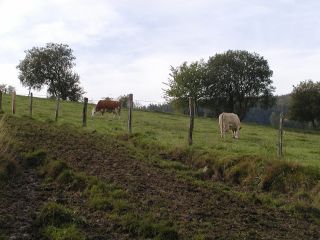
x: 57, y: 108
x: 191, y: 125
x: 0, y: 101
x: 30, y: 103
x: 280, y: 144
x: 130, y: 106
x: 84, y: 112
x: 13, y: 102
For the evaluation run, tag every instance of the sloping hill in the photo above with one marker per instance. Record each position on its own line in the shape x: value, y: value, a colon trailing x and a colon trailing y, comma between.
x: 104, y: 187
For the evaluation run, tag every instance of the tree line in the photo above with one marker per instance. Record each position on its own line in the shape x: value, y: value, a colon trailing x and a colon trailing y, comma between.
x: 233, y: 81
x: 239, y: 81
x: 7, y: 89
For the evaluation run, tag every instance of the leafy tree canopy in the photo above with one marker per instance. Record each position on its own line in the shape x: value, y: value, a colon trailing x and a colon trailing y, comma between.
x: 305, y: 103
x: 238, y: 80
x: 52, y: 66
x: 186, y: 81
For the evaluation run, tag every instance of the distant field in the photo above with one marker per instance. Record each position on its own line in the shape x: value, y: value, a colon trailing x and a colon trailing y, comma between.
x: 170, y: 131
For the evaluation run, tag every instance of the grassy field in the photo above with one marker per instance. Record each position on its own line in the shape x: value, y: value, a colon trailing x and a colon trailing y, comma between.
x: 169, y: 132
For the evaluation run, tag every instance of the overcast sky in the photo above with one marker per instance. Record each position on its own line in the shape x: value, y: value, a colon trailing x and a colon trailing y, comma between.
x: 127, y: 46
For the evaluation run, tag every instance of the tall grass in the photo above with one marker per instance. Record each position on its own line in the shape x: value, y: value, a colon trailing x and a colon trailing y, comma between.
x: 8, y: 166
x: 4, y: 139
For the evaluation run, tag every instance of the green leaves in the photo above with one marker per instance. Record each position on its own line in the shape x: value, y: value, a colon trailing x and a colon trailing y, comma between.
x: 232, y: 81
x: 52, y: 66
x: 305, y: 104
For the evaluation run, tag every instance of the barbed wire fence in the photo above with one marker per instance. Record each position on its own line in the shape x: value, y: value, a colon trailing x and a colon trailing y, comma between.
x: 54, y: 107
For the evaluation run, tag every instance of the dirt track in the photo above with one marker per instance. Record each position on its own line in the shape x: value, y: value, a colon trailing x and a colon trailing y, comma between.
x: 191, y: 207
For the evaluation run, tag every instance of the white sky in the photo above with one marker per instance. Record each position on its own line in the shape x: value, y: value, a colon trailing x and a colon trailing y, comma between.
x: 125, y: 46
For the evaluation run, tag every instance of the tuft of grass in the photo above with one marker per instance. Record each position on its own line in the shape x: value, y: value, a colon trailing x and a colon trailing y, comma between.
x: 54, y: 168
x: 5, y: 138
x: 71, y: 180
x: 34, y: 159
x: 3, y: 237
x: 64, y: 233
x: 8, y: 167
x: 54, y: 214
x: 146, y: 227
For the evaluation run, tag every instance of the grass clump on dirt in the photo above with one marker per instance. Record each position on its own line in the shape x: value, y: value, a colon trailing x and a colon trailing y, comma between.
x: 57, y: 222
x: 8, y: 166
x: 64, y: 233
x: 103, y: 196
x: 145, y: 227
x: 34, y: 159
x: 53, y: 169
x: 54, y: 214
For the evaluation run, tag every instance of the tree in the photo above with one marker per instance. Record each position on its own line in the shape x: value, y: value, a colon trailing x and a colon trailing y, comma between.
x: 186, y: 81
x: 10, y: 89
x: 52, y: 66
x: 123, y: 99
x: 238, y: 80
x: 305, y: 103
x: 3, y: 88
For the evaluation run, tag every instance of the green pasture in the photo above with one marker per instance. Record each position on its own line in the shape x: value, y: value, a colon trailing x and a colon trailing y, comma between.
x: 170, y: 131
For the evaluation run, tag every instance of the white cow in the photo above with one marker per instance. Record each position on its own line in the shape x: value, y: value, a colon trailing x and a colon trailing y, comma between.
x: 229, y: 121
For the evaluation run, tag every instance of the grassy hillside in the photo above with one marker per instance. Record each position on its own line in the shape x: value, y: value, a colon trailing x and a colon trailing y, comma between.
x: 61, y: 182
x: 99, y: 183
x: 169, y: 132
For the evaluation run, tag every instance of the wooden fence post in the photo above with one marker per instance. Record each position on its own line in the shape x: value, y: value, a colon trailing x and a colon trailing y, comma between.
x: 0, y: 101
x: 84, y: 112
x: 191, y: 110
x: 57, y: 108
x: 280, y: 144
x: 13, y: 107
x: 30, y: 103
x: 130, y: 106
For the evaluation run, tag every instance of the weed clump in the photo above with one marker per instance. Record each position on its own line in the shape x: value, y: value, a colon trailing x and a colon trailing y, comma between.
x: 56, y: 222
x: 54, y: 214
x: 64, y: 233
x: 71, y: 180
x: 146, y: 227
x: 8, y: 167
x: 34, y: 159
x: 54, y: 168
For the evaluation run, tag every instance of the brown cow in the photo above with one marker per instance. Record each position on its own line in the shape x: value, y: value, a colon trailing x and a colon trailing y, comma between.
x: 107, y: 105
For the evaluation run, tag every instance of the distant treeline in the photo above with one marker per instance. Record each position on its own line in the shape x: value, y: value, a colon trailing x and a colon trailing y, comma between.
x: 269, y: 116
